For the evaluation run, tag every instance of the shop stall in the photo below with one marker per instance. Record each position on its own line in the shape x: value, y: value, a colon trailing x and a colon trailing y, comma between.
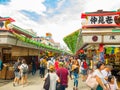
x: 101, y: 32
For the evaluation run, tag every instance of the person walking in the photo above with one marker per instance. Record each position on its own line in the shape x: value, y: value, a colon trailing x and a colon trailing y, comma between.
x: 84, y: 68
x: 99, y: 76
x: 33, y: 66
x: 24, y: 72
x: 106, y: 73
x: 43, y: 64
x: 62, y: 72
x: 53, y: 78
x: 75, y: 74
x: 56, y: 64
x: 17, y: 72
x: 49, y: 63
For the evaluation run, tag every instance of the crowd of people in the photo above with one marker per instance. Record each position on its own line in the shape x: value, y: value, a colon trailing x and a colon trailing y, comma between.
x: 62, y: 68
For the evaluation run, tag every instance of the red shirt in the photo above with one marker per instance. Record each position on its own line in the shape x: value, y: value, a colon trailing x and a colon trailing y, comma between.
x: 63, y: 75
x: 56, y: 65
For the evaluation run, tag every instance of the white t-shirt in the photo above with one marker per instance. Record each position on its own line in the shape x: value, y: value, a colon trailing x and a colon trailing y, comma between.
x: 100, y: 75
x: 106, y: 74
x: 113, y: 87
x: 53, y: 79
x: 81, y: 66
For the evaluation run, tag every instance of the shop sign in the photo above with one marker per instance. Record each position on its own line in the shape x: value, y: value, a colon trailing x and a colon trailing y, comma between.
x: 92, y: 39
x: 92, y: 20
x: 101, y: 19
x: 112, y: 39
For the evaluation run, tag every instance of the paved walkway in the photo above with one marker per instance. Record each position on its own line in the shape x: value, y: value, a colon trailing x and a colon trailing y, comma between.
x: 36, y: 83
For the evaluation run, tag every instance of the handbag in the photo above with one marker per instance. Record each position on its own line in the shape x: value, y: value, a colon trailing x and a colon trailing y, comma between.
x: 91, y: 82
x: 47, y: 83
x: 58, y: 86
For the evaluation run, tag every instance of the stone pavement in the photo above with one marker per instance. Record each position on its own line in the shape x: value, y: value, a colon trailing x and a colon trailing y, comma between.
x: 36, y: 83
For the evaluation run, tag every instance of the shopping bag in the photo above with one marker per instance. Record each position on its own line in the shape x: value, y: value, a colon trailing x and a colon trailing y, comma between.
x: 47, y: 83
x: 91, y: 82
x: 58, y: 86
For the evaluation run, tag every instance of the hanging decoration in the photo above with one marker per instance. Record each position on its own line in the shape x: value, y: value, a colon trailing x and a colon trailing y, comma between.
x: 101, y: 48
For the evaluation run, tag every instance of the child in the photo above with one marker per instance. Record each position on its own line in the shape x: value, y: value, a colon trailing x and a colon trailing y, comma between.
x: 111, y: 81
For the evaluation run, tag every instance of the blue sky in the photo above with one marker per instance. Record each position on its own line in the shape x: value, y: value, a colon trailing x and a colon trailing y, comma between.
x: 4, y: 2
x: 59, y: 17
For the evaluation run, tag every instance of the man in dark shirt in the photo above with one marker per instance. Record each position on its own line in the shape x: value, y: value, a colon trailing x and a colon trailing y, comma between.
x: 63, y: 75
x: 33, y: 66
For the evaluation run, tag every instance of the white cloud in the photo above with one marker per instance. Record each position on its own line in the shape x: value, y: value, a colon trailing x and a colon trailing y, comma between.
x: 95, y: 5
x: 59, y: 25
x: 30, y: 5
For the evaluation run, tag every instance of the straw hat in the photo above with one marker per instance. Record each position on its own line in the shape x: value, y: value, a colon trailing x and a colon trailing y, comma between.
x: 61, y: 63
x: 52, y: 68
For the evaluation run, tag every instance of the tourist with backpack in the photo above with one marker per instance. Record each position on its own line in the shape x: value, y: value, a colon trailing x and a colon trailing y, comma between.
x: 17, y: 72
x: 43, y: 64
x: 84, y: 68
x: 24, y: 72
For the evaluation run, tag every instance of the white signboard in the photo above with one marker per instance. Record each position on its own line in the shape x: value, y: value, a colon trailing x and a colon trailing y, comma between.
x: 92, y: 20
x: 112, y: 39
x: 92, y: 39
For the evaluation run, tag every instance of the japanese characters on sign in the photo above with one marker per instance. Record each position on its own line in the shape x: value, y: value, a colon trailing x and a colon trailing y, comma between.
x: 109, y: 19
x: 101, y: 20
x: 111, y: 39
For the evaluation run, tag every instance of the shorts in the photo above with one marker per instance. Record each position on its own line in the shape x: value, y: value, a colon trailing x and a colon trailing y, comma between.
x: 23, y: 74
x: 17, y: 74
x: 84, y: 72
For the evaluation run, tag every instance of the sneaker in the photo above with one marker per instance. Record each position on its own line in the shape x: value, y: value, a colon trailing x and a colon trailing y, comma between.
x: 73, y: 88
x: 14, y: 84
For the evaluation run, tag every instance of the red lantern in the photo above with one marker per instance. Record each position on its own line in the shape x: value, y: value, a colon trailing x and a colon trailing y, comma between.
x: 81, y: 51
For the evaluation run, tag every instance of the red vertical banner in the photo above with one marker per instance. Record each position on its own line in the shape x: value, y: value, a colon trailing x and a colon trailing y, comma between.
x: 101, y: 49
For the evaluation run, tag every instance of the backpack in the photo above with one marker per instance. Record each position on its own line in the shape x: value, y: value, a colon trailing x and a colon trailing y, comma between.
x: 16, y: 69
x: 46, y: 84
x: 24, y: 69
x: 84, y: 65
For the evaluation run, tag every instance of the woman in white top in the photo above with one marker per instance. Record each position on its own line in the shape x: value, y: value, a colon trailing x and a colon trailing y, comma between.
x: 99, y: 76
x: 53, y: 78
